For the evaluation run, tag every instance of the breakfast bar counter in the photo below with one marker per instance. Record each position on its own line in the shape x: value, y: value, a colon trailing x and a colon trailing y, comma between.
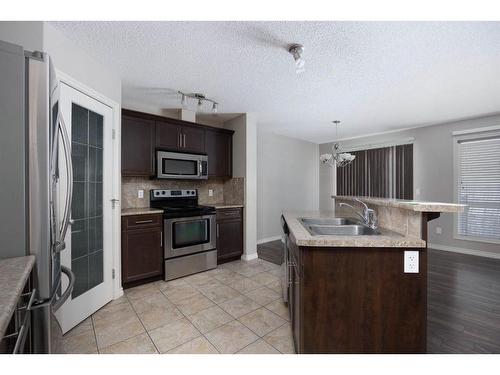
x: 365, y: 292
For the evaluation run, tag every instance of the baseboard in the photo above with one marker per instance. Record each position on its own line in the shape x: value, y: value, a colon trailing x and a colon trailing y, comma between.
x: 249, y: 256
x: 268, y: 239
x: 460, y: 250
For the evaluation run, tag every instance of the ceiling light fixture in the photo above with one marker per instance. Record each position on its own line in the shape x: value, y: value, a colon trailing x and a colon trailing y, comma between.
x: 296, y: 50
x: 200, y: 98
x: 337, y: 158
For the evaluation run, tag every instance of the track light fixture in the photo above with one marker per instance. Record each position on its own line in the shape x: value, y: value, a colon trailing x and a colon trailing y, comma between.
x: 296, y: 50
x: 200, y: 98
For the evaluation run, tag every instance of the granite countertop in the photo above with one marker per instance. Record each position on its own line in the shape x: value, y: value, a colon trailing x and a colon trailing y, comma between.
x: 387, y: 238
x: 228, y: 205
x: 420, y: 206
x: 141, y: 211
x: 14, y: 273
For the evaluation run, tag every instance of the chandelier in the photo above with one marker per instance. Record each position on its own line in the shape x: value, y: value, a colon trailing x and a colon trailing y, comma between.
x: 337, y: 158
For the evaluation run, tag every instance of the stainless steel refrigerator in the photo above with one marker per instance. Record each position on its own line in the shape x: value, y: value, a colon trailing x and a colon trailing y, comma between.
x: 33, y: 133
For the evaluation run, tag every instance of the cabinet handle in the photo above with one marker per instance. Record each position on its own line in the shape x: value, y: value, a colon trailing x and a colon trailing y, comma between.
x: 179, y: 140
x: 184, y: 140
x: 217, y: 230
x: 161, y: 239
x: 143, y: 221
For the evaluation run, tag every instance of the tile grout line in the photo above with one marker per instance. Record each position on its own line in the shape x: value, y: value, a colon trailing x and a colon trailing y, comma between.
x: 185, y: 316
x: 218, y: 305
x: 145, y: 330
x: 95, y: 335
x: 197, y: 288
x: 237, y: 319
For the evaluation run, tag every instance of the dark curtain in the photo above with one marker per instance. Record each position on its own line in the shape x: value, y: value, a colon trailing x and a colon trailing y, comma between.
x: 381, y: 172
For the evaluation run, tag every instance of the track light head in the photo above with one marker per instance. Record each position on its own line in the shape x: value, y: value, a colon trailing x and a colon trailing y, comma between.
x: 296, y: 50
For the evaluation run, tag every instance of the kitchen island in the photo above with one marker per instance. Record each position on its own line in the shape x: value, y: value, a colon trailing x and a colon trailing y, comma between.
x: 350, y: 293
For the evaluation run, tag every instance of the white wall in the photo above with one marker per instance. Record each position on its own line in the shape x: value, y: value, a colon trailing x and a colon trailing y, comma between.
x: 245, y: 165
x: 28, y: 34
x: 433, y: 172
x: 67, y: 57
x: 75, y: 62
x: 287, y: 179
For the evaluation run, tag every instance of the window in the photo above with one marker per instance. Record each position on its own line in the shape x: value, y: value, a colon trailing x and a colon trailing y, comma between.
x: 385, y: 172
x: 478, y: 186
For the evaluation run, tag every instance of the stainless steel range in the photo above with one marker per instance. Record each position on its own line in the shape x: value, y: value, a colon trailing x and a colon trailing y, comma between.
x: 189, y: 230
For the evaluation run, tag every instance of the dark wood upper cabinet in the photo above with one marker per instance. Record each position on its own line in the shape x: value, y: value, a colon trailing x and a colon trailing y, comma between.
x: 138, y: 145
x: 143, y: 133
x: 192, y: 139
x: 173, y: 136
x: 168, y: 135
x: 218, y: 146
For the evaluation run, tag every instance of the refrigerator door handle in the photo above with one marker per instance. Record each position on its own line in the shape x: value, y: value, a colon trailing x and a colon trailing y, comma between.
x: 69, y: 182
x: 54, y: 177
x: 71, y: 278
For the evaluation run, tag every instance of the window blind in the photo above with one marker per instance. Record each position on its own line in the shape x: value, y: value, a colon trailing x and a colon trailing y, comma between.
x: 479, y: 187
x: 385, y: 172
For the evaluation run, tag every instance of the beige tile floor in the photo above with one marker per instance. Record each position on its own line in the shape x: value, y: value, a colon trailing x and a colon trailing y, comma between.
x: 235, y: 308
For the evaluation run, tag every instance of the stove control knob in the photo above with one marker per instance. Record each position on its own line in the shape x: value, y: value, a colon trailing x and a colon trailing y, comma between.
x: 163, y: 192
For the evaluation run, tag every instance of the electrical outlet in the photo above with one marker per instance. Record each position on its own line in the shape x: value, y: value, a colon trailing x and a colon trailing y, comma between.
x: 210, y: 192
x: 417, y: 192
x: 140, y: 194
x: 439, y: 230
x: 411, y: 262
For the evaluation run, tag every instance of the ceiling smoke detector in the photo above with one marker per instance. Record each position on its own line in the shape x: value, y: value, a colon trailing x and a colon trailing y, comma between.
x: 296, y: 50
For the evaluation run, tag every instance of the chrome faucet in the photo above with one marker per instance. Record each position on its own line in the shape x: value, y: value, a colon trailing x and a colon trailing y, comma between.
x: 368, y: 215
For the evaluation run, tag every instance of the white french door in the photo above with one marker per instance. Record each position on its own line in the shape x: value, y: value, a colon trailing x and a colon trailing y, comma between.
x: 89, y: 252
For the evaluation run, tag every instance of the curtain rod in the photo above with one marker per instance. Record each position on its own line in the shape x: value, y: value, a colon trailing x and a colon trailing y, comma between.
x: 369, y: 146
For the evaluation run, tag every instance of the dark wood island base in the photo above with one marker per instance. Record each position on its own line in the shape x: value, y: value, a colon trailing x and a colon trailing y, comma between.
x: 350, y: 294
x: 357, y: 300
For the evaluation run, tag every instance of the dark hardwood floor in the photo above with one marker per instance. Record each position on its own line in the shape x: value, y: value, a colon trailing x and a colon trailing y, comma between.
x: 463, y: 306
x: 463, y: 300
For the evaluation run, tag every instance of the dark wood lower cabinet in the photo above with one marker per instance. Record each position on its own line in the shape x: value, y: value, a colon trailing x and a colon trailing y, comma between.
x: 357, y: 300
x: 142, y: 250
x: 229, y: 234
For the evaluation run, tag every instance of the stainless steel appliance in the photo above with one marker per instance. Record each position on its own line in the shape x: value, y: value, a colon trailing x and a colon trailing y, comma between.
x: 285, y: 266
x: 189, y: 232
x: 178, y: 165
x: 33, y: 135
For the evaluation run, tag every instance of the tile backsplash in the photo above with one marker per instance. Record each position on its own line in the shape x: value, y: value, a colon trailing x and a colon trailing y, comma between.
x: 224, y: 191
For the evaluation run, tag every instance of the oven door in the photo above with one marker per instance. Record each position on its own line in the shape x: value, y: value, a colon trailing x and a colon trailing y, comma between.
x: 177, y: 165
x: 189, y: 235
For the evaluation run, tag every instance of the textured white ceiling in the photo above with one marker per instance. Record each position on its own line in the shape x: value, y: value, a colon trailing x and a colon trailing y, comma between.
x: 373, y: 76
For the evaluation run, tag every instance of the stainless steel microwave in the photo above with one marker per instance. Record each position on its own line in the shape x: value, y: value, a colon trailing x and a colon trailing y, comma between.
x: 177, y: 165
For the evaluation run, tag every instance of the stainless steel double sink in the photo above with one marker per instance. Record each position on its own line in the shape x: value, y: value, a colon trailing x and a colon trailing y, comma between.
x: 336, y: 226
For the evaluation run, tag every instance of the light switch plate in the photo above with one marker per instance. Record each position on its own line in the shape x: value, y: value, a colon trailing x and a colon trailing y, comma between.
x: 210, y: 193
x: 439, y: 230
x: 411, y: 262
x: 140, y: 194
